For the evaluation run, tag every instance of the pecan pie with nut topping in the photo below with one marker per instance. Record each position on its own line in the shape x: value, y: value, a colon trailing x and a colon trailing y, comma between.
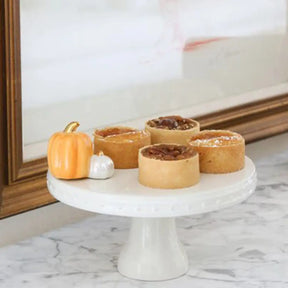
x: 168, y: 166
x: 168, y: 152
x: 171, y: 129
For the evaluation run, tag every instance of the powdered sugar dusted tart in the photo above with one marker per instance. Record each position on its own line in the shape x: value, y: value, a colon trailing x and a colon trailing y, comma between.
x: 168, y: 166
x: 171, y: 129
x: 220, y: 151
x: 121, y: 144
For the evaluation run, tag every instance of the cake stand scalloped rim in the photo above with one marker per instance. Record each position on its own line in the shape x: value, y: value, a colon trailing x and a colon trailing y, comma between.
x: 156, y: 207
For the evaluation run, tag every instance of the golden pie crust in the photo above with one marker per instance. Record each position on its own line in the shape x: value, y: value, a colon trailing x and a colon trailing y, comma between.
x: 164, y: 134
x: 220, y: 151
x: 121, y: 144
x: 168, y: 172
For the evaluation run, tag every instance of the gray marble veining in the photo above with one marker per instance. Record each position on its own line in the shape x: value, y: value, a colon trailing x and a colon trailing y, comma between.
x: 245, y: 246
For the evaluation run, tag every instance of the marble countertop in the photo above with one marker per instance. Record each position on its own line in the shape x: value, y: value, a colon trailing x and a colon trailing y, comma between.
x: 245, y: 246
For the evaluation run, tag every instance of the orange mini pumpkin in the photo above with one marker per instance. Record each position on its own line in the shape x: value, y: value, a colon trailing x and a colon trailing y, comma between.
x: 69, y: 153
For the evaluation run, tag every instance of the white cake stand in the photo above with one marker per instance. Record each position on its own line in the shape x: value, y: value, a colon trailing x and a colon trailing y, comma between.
x: 153, y: 251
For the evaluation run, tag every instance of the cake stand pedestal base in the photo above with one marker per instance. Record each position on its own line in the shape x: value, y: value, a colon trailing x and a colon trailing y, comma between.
x: 153, y: 251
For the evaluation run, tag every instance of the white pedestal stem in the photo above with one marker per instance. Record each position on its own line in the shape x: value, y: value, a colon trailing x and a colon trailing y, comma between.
x: 153, y: 251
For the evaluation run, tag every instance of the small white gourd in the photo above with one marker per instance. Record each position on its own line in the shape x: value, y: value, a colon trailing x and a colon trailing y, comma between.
x: 101, y: 167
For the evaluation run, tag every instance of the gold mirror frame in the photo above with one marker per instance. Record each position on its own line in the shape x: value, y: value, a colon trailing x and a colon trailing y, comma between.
x: 23, y: 184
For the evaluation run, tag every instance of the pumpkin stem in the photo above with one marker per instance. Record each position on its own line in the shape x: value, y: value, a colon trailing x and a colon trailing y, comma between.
x: 71, y: 127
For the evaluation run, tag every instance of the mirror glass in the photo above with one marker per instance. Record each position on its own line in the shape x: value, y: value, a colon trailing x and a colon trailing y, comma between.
x: 105, y: 62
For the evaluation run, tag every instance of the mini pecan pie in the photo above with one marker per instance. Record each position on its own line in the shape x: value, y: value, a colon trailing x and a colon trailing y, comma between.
x: 121, y: 144
x: 168, y: 166
x: 220, y: 151
x: 171, y: 129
